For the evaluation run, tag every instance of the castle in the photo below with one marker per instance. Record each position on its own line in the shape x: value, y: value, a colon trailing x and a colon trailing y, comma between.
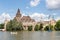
x: 27, y: 21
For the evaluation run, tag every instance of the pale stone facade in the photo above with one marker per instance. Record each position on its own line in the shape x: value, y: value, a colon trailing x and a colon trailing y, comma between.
x: 5, y: 23
x: 27, y: 21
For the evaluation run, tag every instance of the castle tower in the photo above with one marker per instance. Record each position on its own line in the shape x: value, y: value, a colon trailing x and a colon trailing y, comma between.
x: 18, y: 16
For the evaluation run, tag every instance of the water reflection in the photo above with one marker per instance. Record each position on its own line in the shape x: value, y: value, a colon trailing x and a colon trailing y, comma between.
x: 30, y: 35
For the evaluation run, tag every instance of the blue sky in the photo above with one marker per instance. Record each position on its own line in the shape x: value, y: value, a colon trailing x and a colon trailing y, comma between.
x: 30, y: 7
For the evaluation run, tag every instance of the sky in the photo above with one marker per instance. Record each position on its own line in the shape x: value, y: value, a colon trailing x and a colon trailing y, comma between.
x: 33, y: 8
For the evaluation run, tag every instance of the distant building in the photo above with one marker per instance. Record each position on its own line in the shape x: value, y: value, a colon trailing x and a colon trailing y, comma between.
x: 28, y: 21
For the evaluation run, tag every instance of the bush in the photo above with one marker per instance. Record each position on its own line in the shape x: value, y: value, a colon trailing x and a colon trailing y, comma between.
x: 1, y: 26
x: 46, y: 28
x: 36, y: 28
x: 41, y: 26
x: 17, y: 28
x: 49, y: 27
x: 13, y: 25
x: 57, y: 26
x: 29, y: 28
x: 9, y: 26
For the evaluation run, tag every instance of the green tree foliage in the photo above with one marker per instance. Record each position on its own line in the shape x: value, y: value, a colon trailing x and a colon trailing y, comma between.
x: 57, y: 26
x: 49, y: 27
x: 16, y: 25
x: 13, y: 25
x: 41, y: 26
x: 46, y: 28
x: 36, y: 28
x: 30, y: 28
x: 1, y: 26
x: 9, y: 26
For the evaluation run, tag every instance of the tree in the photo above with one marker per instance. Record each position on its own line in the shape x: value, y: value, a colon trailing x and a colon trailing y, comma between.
x: 57, y: 26
x: 30, y: 28
x: 14, y: 25
x: 9, y: 26
x: 51, y: 27
x: 36, y: 28
x: 1, y: 26
x: 17, y: 25
x: 41, y: 26
x: 48, y: 28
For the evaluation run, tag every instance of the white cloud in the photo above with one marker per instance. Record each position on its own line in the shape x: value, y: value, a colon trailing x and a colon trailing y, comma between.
x: 39, y: 16
x: 4, y: 16
x: 53, y: 4
x: 24, y: 14
x: 34, y: 2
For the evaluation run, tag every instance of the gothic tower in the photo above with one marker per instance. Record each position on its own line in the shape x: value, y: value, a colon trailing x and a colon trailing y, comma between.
x: 18, y: 16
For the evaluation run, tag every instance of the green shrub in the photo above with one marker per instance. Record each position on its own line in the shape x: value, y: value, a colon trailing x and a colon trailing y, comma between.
x: 17, y: 28
x: 29, y: 28
x: 49, y: 27
x: 36, y: 28
x: 1, y: 26
x: 41, y: 26
x: 57, y: 26
x: 13, y: 25
x: 46, y: 28
x: 9, y: 26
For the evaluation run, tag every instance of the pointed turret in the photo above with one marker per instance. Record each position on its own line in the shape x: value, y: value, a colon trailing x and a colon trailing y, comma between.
x: 18, y: 13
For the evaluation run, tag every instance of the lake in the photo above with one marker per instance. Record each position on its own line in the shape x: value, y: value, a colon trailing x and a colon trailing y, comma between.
x: 30, y: 35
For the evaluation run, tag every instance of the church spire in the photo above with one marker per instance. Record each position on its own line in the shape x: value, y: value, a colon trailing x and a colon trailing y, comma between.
x: 18, y: 13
